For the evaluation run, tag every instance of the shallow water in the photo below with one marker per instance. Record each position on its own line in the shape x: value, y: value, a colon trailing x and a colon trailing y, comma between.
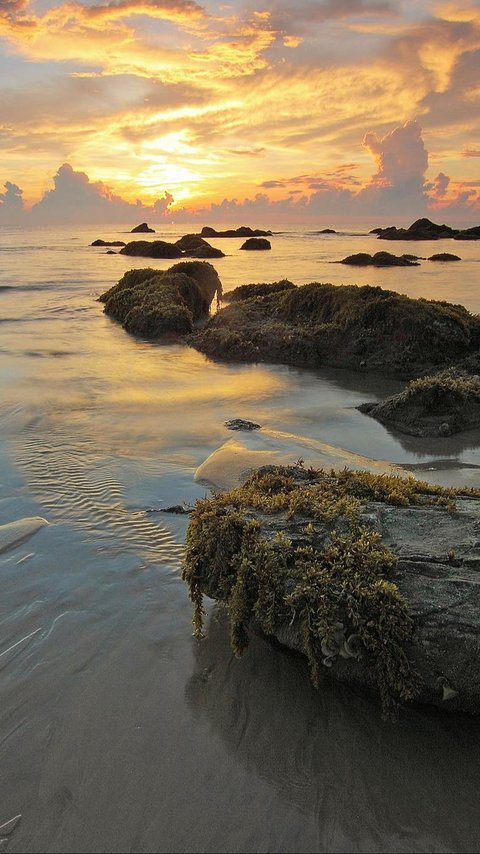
x: 118, y: 731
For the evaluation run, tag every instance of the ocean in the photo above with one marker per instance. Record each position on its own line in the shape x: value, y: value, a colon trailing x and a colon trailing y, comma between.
x: 118, y: 731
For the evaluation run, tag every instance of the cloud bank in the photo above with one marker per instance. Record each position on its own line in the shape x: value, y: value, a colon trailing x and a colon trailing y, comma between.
x: 397, y: 189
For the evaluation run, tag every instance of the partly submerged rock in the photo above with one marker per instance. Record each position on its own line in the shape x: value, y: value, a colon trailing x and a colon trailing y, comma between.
x: 152, y: 249
x: 438, y: 405
x: 380, y: 259
x: 421, y: 229
x: 243, y: 231
x: 361, y: 328
x: 256, y: 244
x: 373, y: 578
x: 100, y: 242
x: 153, y: 303
x: 469, y: 234
x: 444, y: 256
x: 196, y: 247
x: 143, y: 228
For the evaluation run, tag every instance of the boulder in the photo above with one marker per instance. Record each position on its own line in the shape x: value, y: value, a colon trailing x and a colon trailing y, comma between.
x: 241, y: 424
x: 421, y: 229
x: 444, y: 256
x: 373, y: 578
x: 360, y: 328
x: 438, y: 405
x: 100, y: 242
x: 142, y: 229
x: 256, y: 244
x: 152, y: 249
x: 155, y: 303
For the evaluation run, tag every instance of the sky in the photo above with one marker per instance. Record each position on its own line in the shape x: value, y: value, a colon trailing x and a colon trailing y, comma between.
x: 272, y: 111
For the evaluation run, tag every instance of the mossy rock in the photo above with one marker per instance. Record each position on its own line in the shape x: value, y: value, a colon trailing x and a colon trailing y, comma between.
x: 154, y: 303
x: 444, y: 256
x: 328, y: 563
x: 366, y: 328
x: 380, y: 259
x: 438, y: 405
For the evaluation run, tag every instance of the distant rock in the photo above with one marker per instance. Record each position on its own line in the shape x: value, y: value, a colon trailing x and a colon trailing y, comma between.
x: 152, y: 249
x: 110, y: 252
x: 469, y: 234
x: 240, y: 424
x: 243, y: 231
x: 325, y: 231
x: 425, y: 229
x: 437, y: 405
x: 100, y: 242
x: 412, y: 257
x: 380, y: 259
x: 444, y: 256
x: 142, y: 229
x: 256, y: 244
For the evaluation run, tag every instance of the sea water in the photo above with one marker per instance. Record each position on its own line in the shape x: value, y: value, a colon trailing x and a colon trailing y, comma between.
x: 118, y: 731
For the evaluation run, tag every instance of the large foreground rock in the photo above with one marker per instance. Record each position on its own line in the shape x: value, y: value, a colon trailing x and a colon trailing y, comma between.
x: 154, y: 303
x: 374, y: 579
x: 361, y: 328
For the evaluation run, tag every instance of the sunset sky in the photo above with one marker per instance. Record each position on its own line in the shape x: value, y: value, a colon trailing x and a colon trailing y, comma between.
x: 275, y: 109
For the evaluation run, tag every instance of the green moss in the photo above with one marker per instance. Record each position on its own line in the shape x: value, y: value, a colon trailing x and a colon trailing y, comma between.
x: 257, y: 290
x: 332, y: 575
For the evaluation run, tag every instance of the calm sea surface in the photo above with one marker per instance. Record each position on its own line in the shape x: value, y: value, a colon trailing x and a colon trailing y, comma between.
x: 118, y: 732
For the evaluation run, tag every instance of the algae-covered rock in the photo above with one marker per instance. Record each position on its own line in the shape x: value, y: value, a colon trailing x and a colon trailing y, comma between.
x: 373, y: 578
x: 153, y: 303
x: 152, y: 249
x: 256, y: 244
x: 361, y: 328
x: 438, y: 405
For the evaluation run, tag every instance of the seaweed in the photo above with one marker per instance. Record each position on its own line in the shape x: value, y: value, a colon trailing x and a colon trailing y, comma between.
x: 331, y: 581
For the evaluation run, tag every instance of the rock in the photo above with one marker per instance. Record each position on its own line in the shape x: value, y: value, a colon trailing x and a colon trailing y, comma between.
x: 196, y: 247
x: 155, y: 303
x: 152, y: 249
x: 380, y: 259
x: 325, y: 231
x: 177, y: 509
x: 438, y: 405
x: 444, y: 256
x: 412, y: 257
x: 142, y: 229
x: 100, y: 242
x: 321, y: 324
x: 250, y: 291
x: 256, y: 243
x: 422, y: 229
x: 110, y: 252
x: 243, y: 231
x: 373, y: 578
x: 240, y: 424
x: 469, y: 234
